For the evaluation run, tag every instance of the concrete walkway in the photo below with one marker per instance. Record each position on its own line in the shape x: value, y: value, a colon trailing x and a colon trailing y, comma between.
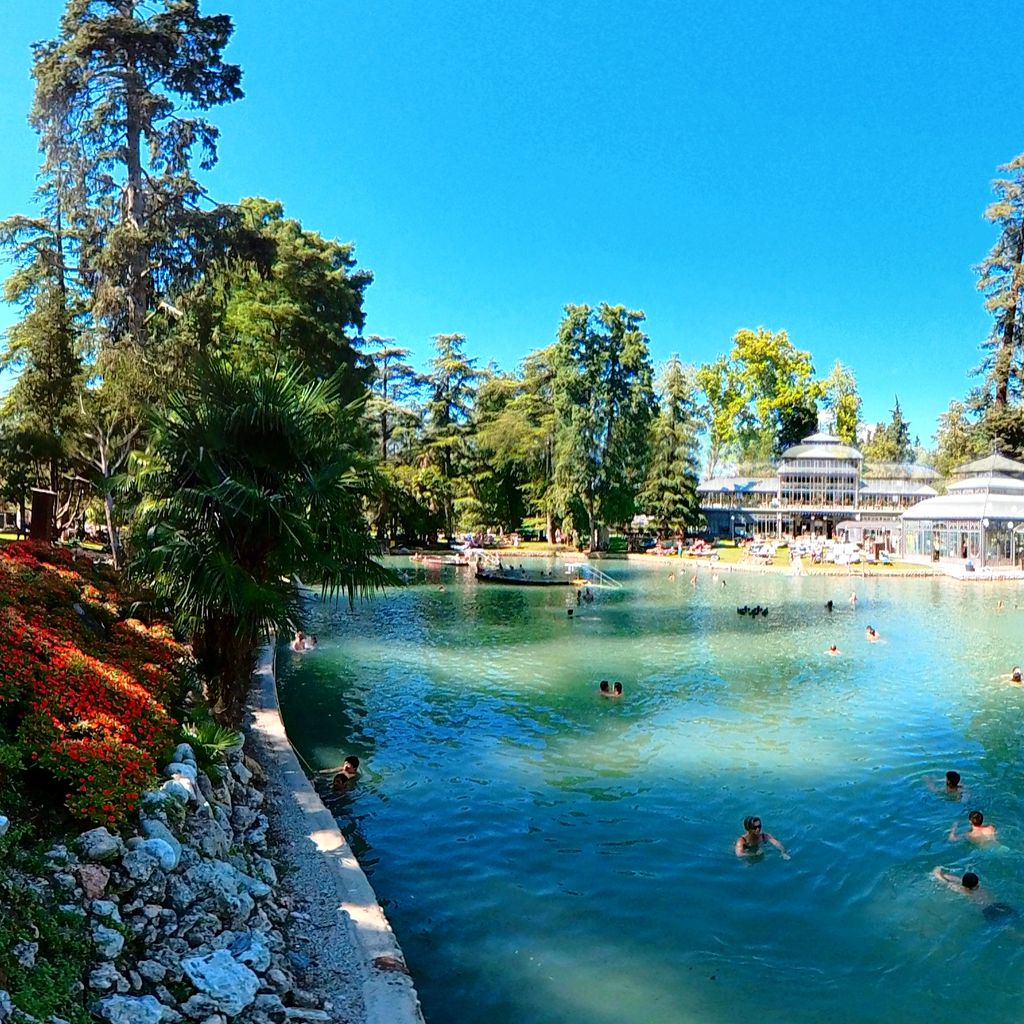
x: 355, y: 960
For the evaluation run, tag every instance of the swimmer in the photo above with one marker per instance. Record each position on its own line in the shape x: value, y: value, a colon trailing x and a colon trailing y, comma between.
x: 441, y: 588
x: 605, y: 688
x: 693, y: 580
x: 568, y: 611
x: 952, y: 788
x: 999, y: 605
x: 616, y: 690
x: 853, y: 599
x: 1015, y: 676
x: 828, y: 606
x: 833, y: 650
x: 979, y: 832
x: 968, y: 883
x: 343, y: 776
x: 299, y: 641
x: 871, y: 633
x: 753, y: 839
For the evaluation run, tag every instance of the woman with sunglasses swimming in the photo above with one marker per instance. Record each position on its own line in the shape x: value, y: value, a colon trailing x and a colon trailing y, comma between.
x: 752, y: 841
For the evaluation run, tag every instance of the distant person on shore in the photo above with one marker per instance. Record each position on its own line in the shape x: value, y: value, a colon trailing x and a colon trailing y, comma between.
x: 953, y: 787
x: 605, y: 688
x: 754, y: 838
x: 833, y: 650
x: 979, y: 832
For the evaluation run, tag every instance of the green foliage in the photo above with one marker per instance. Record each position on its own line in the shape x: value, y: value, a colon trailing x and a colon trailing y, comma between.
x: 958, y: 440
x: 604, y: 404
x: 842, y: 398
x: 250, y: 483
x: 451, y: 386
x: 1001, y: 280
x: 64, y: 953
x: 761, y: 400
x: 669, y: 496
x: 891, y: 441
x: 280, y: 293
x: 210, y: 741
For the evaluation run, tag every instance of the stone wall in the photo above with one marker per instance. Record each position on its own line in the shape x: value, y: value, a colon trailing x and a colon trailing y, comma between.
x: 186, y: 918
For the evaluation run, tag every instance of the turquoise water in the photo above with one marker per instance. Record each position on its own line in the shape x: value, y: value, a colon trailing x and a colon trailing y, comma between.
x: 545, y: 855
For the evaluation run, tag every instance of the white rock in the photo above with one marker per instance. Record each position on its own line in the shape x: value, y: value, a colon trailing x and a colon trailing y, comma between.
x: 107, y: 941
x: 251, y: 950
x: 181, y: 788
x: 107, y: 909
x: 130, y: 1010
x: 230, y: 984
x: 98, y: 844
x: 104, y: 977
x: 190, y: 771
x: 184, y: 752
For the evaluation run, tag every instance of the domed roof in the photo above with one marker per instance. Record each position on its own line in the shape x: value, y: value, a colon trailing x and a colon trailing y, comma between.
x: 822, y: 446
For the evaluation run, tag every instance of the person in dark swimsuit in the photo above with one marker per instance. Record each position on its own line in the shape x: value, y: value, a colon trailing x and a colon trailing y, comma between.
x: 753, y: 840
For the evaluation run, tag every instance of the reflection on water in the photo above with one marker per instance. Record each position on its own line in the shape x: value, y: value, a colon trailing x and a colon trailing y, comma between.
x: 547, y: 855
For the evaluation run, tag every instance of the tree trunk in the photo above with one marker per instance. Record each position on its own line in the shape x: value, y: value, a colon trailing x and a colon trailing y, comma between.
x: 1008, y: 346
x: 227, y: 659
x: 137, y: 290
x: 115, y: 541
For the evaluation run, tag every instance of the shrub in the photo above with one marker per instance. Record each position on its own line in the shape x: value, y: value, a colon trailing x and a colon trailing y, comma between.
x: 85, y: 696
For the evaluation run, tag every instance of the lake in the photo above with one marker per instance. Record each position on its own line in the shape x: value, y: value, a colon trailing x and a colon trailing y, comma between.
x: 548, y: 855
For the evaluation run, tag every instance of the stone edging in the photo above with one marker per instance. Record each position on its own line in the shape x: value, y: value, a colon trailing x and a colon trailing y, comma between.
x: 388, y: 993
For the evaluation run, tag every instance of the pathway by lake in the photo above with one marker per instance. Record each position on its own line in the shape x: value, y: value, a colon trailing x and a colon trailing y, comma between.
x: 548, y: 855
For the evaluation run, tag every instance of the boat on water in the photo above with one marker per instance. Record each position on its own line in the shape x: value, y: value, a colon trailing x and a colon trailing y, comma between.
x: 514, y: 578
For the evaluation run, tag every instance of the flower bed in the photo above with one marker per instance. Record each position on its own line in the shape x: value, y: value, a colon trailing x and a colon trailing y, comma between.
x: 84, y: 692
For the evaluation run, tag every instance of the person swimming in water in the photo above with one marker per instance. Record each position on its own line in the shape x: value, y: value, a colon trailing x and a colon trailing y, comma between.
x: 616, y: 690
x: 952, y: 788
x: 833, y: 650
x: 605, y: 688
x: 754, y: 838
x: 968, y: 884
x: 348, y: 774
x: 979, y: 832
x: 871, y: 634
x: 1015, y: 675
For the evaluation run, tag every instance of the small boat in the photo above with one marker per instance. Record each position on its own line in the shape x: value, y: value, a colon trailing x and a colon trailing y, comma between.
x: 514, y: 578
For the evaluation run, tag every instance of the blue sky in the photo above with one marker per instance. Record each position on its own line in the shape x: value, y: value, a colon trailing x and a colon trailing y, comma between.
x: 820, y: 168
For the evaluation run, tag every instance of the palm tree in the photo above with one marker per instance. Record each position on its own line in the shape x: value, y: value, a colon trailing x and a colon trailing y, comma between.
x: 252, y: 481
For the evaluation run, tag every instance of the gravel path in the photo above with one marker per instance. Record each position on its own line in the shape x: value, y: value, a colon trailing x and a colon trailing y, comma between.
x: 354, y: 962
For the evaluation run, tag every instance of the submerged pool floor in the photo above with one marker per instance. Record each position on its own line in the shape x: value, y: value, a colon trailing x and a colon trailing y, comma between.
x: 548, y: 855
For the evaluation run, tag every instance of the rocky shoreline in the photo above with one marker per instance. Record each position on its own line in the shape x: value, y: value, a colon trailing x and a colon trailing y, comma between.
x: 191, y: 919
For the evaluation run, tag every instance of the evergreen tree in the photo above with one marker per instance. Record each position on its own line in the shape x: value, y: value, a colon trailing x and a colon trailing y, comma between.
x: 1001, y: 280
x: 125, y: 79
x: 891, y: 441
x: 604, y: 403
x: 958, y: 440
x: 669, y: 496
x: 452, y: 387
